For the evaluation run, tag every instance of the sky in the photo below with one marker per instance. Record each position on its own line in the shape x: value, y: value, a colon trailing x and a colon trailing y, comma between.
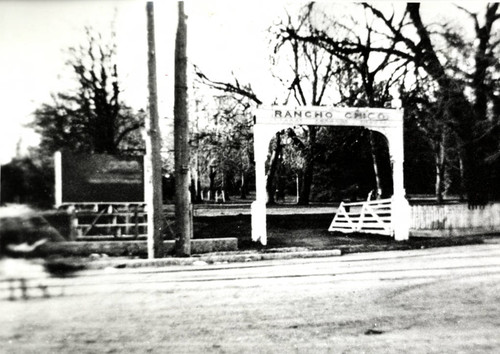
x: 224, y: 37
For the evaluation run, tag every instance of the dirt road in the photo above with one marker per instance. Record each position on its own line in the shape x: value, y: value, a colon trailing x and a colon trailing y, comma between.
x: 443, y: 300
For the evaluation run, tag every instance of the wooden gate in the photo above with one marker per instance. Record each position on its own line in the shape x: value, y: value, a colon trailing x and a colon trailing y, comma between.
x: 371, y: 216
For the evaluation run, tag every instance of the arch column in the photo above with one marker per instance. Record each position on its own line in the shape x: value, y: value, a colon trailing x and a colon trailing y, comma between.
x: 400, y: 206
x: 262, y: 136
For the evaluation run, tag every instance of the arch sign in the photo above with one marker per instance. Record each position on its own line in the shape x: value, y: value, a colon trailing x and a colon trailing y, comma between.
x: 389, y: 122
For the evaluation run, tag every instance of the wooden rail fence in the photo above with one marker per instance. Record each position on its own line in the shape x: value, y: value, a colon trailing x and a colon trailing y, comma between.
x: 108, y: 220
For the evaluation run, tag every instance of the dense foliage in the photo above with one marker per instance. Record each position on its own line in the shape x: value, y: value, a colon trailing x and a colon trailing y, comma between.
x: 223, y: 148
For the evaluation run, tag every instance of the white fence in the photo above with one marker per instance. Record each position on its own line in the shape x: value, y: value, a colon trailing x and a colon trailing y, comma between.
x: 454, y: 220
x: 425, y: 220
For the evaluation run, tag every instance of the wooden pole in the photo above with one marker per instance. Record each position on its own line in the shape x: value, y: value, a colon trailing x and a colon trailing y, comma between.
x: 153, y: 145
x: 183, y: 207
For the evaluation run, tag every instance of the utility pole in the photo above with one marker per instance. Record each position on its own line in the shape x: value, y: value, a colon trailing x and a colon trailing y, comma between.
x: 183, y: 207
x: 153, y: 145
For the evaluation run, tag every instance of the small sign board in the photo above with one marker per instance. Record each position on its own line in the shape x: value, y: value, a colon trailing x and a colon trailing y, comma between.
x: 101, y: 178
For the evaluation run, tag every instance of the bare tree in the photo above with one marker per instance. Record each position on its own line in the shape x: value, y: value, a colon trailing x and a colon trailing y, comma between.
x: 419, y: 53
x: 311, y: 70
x: 93, y: 118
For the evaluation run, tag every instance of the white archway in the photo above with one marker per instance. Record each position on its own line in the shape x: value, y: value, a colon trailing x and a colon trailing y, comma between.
x: 389, y: 122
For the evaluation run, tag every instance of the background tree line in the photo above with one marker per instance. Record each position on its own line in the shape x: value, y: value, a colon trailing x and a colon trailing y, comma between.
x: 447, y: 80
x: 445, y: 74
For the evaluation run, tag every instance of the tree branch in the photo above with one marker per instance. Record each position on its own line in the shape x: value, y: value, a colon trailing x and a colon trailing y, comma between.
x: 227, y: 87
x: 127, y: 130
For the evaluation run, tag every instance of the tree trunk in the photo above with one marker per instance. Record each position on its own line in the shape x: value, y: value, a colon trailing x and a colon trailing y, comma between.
x: 243, y: 187
x: 378, y: 185
x: 196, y: 184
x: 272, y: 170
x: 310, y: 155
x: 183, y: 206
x: 211, y: 176
x: 198, y: 190
x: 225, y: 186
x: 458, y: 110
x: 440, y: 159
x: 462, y: 191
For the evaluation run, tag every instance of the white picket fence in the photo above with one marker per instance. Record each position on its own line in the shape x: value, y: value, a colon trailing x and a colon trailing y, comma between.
x: 371, y: 216
x: 454, y: 219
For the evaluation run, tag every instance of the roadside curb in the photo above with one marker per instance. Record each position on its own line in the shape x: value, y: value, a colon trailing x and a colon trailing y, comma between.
x: 213, y: 259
